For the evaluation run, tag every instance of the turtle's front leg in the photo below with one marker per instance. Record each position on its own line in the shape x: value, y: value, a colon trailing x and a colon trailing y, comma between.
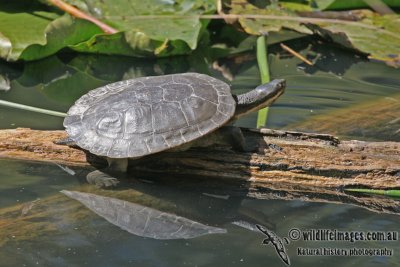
x: 103, y: 179
x: 233, y: 136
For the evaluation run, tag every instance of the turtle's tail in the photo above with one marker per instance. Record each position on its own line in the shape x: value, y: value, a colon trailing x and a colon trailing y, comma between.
x: 66, y: 142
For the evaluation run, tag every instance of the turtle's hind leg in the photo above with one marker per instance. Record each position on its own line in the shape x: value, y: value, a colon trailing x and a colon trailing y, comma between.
x: 103, y: 178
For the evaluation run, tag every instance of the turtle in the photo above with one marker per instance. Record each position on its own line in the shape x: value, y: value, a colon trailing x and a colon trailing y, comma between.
x: 134, y: 118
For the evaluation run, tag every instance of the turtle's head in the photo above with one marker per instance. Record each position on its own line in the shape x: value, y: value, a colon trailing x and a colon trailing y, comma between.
x: 262, y: 96
x: 269, y: 92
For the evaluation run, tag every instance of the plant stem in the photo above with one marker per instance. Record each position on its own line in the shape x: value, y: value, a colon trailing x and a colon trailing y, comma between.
x: 264, y: 73
x: 294, y: 53
x: 79, y: 14
x: 30, y: 108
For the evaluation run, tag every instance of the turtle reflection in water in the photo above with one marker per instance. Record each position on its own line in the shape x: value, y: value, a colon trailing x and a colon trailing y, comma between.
x: 141, y: 220
x: 138, y: 117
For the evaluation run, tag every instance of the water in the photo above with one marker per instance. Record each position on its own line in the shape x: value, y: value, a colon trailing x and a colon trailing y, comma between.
x: 42, y: 227
x: 58, y: 231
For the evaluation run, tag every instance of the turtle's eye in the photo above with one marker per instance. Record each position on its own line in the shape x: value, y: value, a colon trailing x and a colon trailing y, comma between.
x: 110, y: 125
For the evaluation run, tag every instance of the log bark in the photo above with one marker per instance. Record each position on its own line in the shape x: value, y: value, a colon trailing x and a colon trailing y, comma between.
x: 288, y: 165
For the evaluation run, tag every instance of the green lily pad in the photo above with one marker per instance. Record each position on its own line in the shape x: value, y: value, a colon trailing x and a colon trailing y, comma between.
x: 375, y: 35
x: 349, y: 4
x: 21, y: 27
x: 378, y: 36
x: 33, y: 31
x: 260, y: 26
x: 29, y: 32
x: 144, y: 31
x: 60, y: 33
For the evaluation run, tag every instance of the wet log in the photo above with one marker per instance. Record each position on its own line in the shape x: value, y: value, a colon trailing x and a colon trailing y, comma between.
x: 288, y: 165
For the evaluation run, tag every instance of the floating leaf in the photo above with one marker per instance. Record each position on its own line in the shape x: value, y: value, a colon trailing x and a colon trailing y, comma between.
x: 275, y: 19
x: 349, y: 4
x: 324, y: 4
x: 376, y: 35
x: 62, y: 32
x: 145, y: 31
x: 28, y: 33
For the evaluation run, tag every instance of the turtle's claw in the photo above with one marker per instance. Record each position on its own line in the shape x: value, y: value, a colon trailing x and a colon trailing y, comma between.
x: 101, y: 179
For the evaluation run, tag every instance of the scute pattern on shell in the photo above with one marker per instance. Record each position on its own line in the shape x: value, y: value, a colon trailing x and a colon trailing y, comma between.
x: 137, y: 117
